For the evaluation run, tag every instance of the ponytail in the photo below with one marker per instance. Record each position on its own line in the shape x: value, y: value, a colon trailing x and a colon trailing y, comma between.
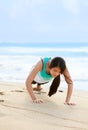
x: 54, y: 86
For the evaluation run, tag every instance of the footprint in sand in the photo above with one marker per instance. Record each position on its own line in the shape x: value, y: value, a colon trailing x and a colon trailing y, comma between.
x: 61, y: 91
x: 1, y: 93
x: 39, y: 92
x: 17, y: 91
x: 1, y: 100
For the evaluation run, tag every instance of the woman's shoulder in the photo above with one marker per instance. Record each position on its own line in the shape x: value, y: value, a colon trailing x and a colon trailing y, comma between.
x: 38, y: 65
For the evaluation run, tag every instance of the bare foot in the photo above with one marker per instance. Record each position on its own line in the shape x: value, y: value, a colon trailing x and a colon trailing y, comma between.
x: 38, y: 88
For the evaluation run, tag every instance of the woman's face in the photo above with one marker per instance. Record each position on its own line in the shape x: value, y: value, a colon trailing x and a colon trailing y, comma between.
x: 55, y: 71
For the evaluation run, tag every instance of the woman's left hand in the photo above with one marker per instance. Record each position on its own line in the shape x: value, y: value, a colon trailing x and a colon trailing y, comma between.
x: 69, y: 103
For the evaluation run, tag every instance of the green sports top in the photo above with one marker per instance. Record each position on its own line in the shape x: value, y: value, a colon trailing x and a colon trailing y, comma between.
x: 42, y: 76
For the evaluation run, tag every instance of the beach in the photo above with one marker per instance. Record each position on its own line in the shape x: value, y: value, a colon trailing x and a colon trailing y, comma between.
x: 17, y: 111
x: 30, y: 31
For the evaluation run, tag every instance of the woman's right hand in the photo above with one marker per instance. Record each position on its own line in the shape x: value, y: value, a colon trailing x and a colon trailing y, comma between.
x: 37, y: 101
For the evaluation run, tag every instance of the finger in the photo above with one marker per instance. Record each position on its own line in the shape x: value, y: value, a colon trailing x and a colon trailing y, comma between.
x: 40, y: 101
x: 37, y: 101
x: 66, y: 103
x: 72, y: 104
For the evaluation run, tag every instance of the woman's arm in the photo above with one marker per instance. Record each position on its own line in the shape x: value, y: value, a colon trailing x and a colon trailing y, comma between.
x: 29, y: 80
x: 70, y: 86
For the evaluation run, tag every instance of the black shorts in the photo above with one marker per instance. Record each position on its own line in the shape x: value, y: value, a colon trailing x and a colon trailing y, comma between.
x: 34, y: 82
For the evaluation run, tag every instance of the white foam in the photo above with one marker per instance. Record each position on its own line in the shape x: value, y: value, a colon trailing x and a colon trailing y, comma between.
x: 29, y: 50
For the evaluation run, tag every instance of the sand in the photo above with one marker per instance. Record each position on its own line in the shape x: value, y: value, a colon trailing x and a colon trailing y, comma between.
x: 18, y: 112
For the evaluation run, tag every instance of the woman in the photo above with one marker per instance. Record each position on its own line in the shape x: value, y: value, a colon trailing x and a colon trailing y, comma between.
x: 45, y: 70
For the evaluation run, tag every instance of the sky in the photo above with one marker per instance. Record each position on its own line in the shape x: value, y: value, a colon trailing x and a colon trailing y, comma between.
x: 44, y: 21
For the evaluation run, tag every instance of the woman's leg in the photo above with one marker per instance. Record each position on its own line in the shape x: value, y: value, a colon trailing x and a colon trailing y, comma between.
x: 38, y: 87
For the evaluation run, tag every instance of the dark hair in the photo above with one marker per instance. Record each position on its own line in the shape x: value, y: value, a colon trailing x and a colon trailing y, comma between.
x: 56, y: 62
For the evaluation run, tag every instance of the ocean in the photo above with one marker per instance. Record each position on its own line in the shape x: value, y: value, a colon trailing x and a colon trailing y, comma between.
x: 17, y: 59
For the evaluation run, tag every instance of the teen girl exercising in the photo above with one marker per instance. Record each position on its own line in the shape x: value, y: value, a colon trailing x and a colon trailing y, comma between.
x: 45, y: 70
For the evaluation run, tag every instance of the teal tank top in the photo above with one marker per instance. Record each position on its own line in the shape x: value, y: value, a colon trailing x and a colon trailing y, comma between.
x: 43, y: 71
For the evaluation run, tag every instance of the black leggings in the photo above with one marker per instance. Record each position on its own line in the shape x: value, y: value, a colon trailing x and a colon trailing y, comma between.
x: 34, y: 82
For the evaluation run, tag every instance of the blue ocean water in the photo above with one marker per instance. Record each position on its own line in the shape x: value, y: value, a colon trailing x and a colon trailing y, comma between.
x: 45, y: 49
x: 16, y: 60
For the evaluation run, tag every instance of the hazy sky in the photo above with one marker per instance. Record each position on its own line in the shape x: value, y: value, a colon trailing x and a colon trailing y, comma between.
x: 43, y: 20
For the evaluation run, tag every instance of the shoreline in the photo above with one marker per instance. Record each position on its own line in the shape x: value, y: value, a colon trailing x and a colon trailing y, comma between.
x: 61, y: 85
